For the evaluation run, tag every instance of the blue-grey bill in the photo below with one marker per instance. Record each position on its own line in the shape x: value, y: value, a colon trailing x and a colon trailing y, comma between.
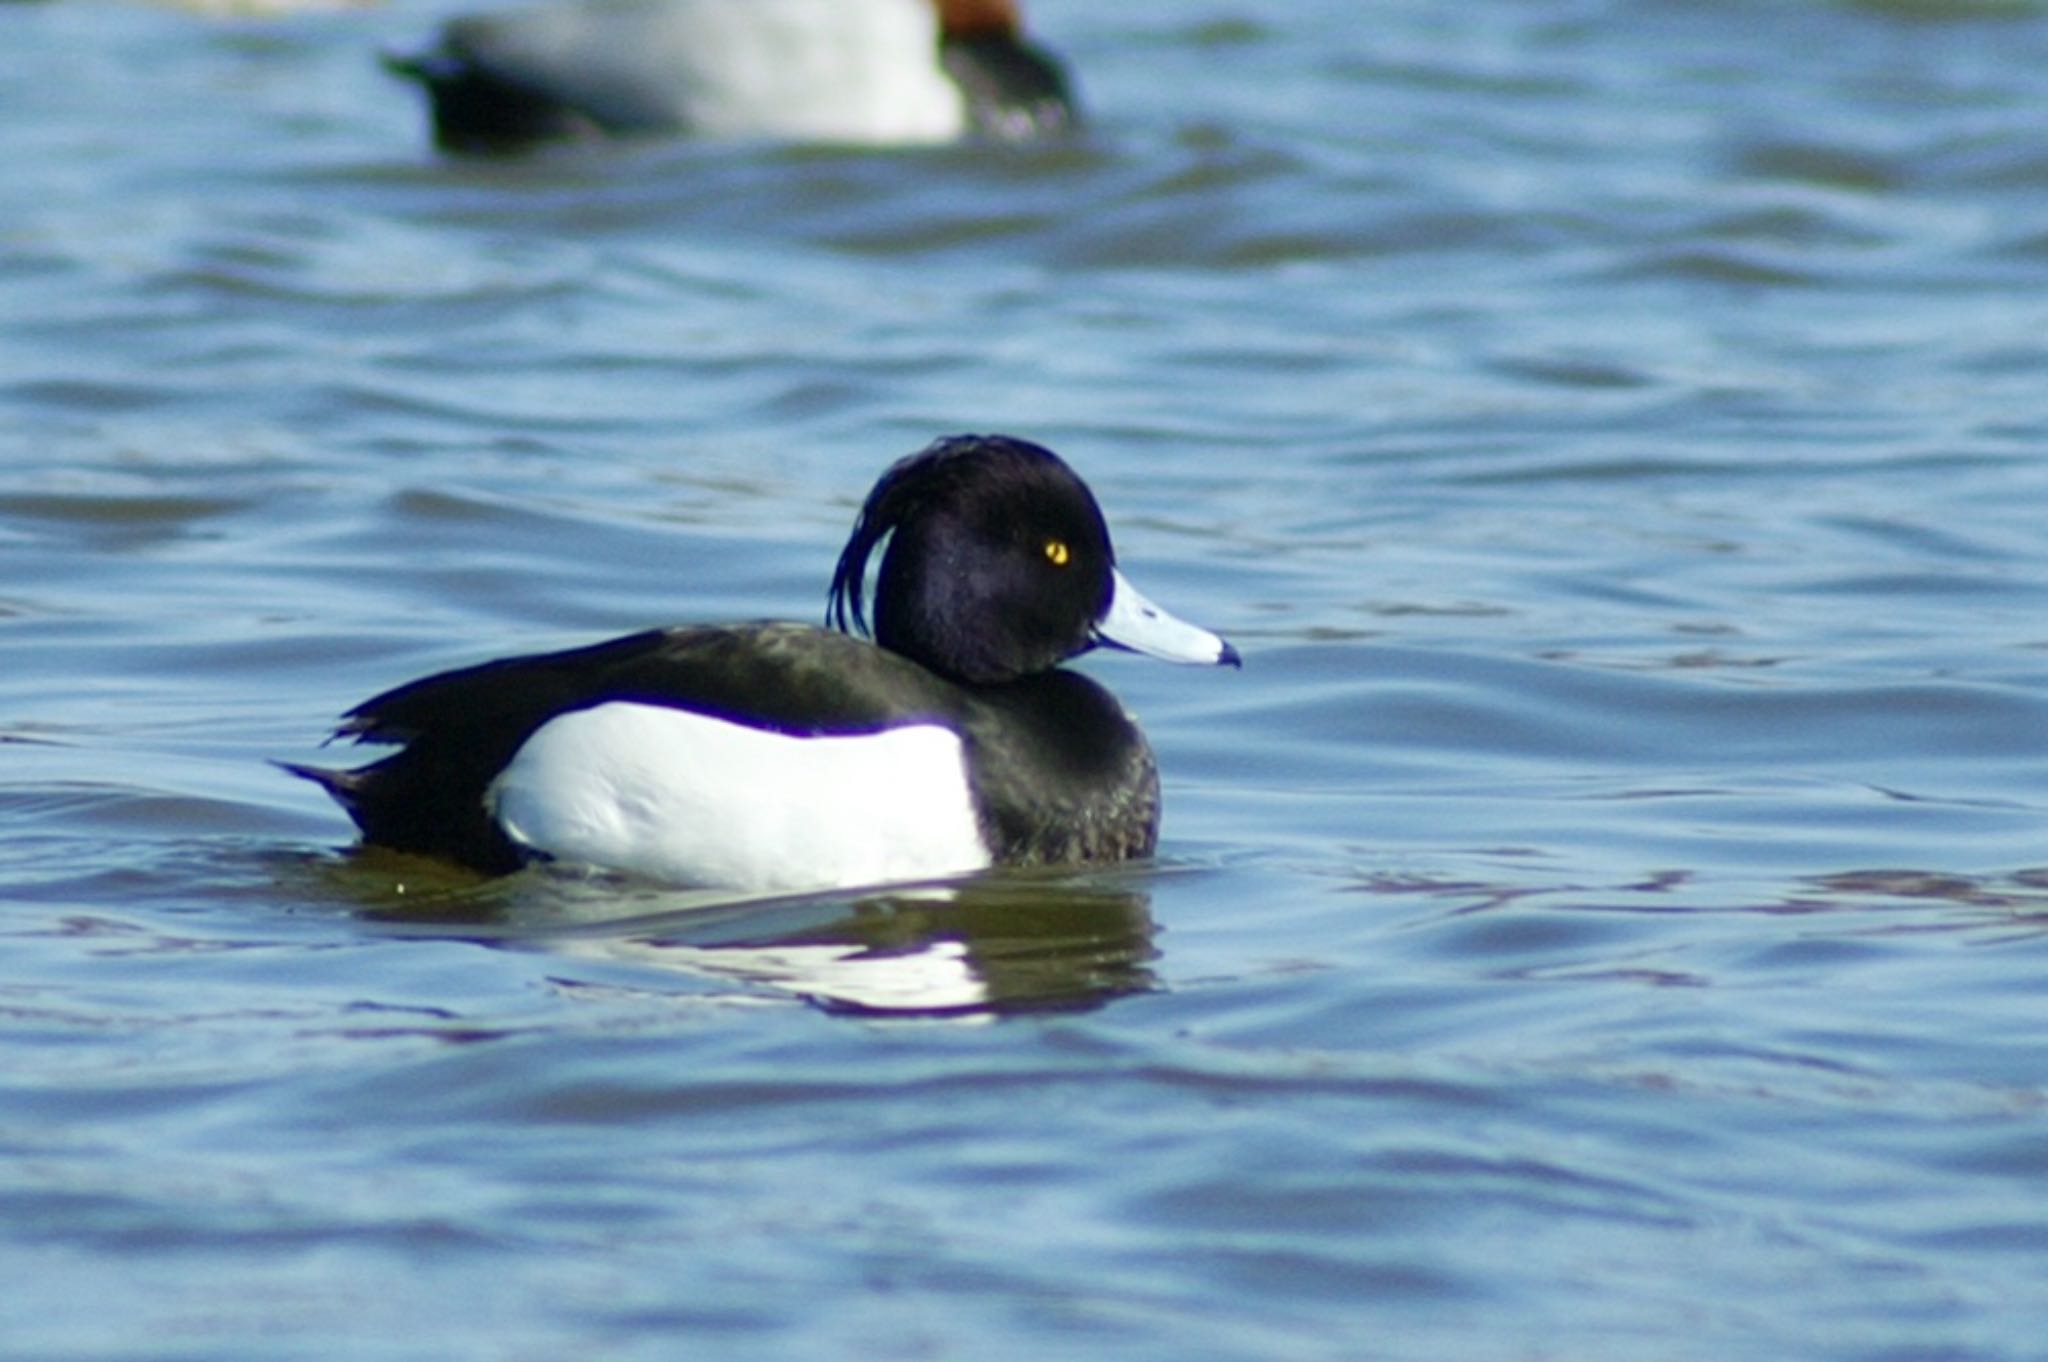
x: 1136, y: 625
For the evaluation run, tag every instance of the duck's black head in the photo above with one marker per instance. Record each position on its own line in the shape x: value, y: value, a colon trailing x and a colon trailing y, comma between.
x: 999, y: 565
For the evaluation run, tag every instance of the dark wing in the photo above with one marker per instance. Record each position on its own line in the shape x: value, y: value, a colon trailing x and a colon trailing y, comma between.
x: 461, y: 728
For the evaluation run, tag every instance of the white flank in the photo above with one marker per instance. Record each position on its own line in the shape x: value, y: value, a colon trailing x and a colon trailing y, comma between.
x: 688, y: 799
x: 822, y: 70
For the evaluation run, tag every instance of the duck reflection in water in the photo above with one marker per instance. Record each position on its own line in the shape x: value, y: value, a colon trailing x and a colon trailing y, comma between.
x: 1011, y: 942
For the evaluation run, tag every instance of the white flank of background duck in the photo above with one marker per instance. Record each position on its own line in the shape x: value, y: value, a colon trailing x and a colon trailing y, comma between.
x: 854, y: 70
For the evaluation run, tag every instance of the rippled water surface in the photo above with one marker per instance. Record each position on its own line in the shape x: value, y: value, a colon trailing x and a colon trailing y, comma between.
x: 1606, y: 918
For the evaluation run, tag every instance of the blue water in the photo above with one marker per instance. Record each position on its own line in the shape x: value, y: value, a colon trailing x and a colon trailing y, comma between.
x: 1606, y: 917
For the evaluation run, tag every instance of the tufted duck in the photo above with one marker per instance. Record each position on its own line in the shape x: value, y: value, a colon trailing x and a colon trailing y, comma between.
x: 773, y: 756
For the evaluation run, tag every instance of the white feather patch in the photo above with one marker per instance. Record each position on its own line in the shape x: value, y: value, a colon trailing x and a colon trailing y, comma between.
x: 689, y: 799
x: 825, y: 70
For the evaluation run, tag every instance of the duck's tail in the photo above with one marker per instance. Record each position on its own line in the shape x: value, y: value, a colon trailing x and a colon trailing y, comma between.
x: 478, y: 110
x: 343, y: 787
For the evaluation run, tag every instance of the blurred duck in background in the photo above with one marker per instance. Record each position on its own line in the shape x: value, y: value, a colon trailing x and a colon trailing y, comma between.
x: 872, y: 72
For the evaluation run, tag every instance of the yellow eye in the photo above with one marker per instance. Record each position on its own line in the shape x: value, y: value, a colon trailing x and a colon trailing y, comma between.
x: 1056, y: 552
